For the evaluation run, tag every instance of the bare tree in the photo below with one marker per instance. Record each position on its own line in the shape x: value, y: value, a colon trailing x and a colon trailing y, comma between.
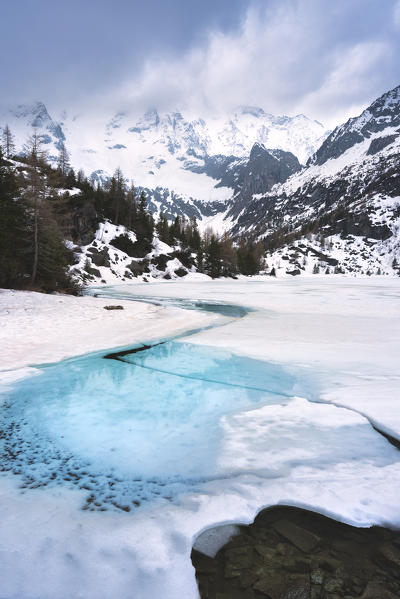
x: 36, y: 190
x: 34, y: 151
x: 8, y: 142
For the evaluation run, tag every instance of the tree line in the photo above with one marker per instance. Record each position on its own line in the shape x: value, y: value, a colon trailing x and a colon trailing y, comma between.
x: 43, y: 205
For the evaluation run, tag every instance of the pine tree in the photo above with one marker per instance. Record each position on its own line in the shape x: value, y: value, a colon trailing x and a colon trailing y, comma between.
x: 249, y: 258
x: 200, y: 259
x: 118, y: 190
x: 195, y: 238
x: 132, y: 206
x: 162, y: 228
x: 52, y: 264
x: 80, y: 177
x: 213, y: 258
x: 63, y: 160
x: 175, y: 231
x: 14, y: 232
x: 8, y: 142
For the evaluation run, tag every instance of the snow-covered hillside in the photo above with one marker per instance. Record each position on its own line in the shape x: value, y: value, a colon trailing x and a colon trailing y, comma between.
x: 102, y: 262
x: 341, y: 213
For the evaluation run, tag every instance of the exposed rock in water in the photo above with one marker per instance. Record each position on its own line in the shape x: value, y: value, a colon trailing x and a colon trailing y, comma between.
x: 290, y: 553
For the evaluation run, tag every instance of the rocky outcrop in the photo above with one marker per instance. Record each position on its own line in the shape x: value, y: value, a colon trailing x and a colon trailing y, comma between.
x: 383, y: 113
x: 99, y: 257
x: 264, y: 169
x: 289, y: 553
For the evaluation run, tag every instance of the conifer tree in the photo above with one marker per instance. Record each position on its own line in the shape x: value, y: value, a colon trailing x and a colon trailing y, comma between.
x: 132, y: 206
x: 213, y: 258
x: 200, y: 259
x: 118, y: 189
x: 14, y: 233
x: 48, y: 269
x: 8, y: 142
x: 63, y: 160
x: 194, y: 238
x: 162, y: 228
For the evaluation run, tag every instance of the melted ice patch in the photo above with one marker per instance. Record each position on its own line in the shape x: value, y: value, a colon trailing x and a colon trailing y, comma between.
x: 126, y: 431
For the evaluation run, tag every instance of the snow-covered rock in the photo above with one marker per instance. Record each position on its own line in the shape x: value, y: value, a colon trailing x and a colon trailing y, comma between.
x: 103, y: 262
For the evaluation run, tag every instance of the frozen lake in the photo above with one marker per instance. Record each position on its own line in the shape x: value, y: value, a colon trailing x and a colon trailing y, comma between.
x: 113, y: 462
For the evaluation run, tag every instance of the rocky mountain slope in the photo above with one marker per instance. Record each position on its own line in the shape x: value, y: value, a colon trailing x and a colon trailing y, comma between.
x: 342, y: 211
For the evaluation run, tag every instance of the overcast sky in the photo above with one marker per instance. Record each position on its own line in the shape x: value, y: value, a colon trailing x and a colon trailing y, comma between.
x: 325, y: 58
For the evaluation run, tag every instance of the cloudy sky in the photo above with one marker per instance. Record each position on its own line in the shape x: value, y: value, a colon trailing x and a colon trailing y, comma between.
x: 327, y: 59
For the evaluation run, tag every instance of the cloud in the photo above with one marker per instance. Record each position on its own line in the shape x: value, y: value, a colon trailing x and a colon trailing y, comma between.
x: 327, y: 60
x: 396, y: 15
x: 351, y: 83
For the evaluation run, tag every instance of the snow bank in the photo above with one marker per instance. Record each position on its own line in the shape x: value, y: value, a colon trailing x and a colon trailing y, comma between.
x: 36, y: 328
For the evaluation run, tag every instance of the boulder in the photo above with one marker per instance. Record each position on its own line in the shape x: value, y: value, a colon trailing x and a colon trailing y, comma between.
x: 138, y: 268
x: 160, y: 262
x: 99, y: 257
x: 181, y: 272
x: 90, y: 270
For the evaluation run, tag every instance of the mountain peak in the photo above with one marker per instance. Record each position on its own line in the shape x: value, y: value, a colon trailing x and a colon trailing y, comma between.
x: 386, y: 103
x: 251, y: 110
x: 383, y: 114
x: 36, y: 110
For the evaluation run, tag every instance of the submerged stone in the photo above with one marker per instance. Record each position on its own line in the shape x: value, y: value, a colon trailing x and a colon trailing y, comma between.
x: 303, y: 568
x: 301, y: 538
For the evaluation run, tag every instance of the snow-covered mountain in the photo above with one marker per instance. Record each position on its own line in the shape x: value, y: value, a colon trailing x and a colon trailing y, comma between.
x: 170, y: 152
x: 341, y: 212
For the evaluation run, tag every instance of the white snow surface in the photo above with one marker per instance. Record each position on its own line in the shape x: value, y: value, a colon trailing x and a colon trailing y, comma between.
x: 36, y: 328
x: 344, y: 334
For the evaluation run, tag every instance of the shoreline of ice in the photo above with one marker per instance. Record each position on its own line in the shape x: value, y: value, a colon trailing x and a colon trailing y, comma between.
x: 36, y: 328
